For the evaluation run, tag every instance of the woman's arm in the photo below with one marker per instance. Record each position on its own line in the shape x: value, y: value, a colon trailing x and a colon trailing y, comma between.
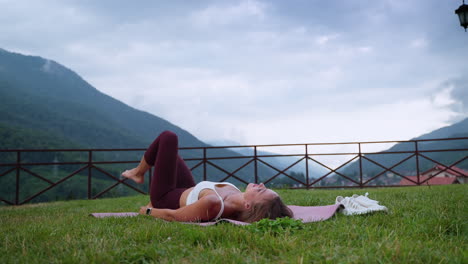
x: 204, y: 209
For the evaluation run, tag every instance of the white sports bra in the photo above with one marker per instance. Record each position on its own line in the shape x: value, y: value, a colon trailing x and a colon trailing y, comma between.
x: 193, y: 195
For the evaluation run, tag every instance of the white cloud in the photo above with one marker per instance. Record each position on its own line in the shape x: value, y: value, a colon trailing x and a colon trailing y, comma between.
x: 365, y: 49
x: 419, y: 43
x: 250, y: 71
x: 260, y: 104
x: 229, y: 14
x: 443, y: 98
x: 324, y: 39
x: 398, y: 120
x: 46, y: 67
x: 454, y: 94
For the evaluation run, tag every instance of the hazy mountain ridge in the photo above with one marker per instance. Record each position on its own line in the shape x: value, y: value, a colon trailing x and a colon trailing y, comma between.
x: 281, y: 162
x: 408, y: 167
x: 459, y: 129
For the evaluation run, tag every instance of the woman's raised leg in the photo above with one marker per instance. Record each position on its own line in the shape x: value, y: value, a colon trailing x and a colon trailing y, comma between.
x: 171, y: 176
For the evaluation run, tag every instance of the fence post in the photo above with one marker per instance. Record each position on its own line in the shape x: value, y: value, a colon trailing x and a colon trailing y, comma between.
x: 18, y: 160
x: 417, y: 161
x: 204, y: 164
x: 360, y: 166
x: 90, y: 160
x: 256, y: 164
x: 307, y: 166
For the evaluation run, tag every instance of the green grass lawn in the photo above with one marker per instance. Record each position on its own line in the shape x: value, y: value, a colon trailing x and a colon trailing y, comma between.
x: 424, y: 225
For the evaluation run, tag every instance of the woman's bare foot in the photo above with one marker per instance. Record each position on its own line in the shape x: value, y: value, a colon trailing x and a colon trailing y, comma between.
x: 135, y: 175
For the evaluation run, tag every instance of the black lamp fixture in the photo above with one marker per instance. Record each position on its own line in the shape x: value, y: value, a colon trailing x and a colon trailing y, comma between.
x: 462, y: 13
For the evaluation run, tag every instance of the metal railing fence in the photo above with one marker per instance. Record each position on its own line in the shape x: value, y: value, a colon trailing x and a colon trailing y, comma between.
x: 310, y: 155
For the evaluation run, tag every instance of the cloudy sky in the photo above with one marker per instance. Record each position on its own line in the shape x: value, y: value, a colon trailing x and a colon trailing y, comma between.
x: 261, y: 72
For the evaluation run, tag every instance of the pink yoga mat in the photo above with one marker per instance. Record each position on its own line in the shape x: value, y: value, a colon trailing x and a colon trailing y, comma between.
x: 305, y: 213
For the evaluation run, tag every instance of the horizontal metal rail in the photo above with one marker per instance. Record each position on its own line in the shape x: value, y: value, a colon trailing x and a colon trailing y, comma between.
x: 90, y: 163
x: 238, y: 146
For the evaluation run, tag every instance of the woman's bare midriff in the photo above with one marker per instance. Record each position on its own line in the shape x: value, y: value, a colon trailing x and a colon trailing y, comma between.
x: 222, y: 189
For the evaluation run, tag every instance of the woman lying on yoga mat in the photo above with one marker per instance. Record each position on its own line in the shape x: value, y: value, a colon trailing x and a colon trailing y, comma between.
x: 175, y: 197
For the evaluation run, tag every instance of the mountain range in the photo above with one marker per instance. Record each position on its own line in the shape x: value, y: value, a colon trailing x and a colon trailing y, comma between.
x: 409, y: 167
x: 44, y: 105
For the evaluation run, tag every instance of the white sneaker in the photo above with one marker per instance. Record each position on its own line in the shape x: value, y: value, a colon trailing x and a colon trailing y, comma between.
x: 357, y: 205
x: 365, y: 201
x: 351, y: 207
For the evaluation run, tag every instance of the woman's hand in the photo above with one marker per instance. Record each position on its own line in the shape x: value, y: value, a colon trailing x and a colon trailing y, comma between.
x: 143, y: 210
x: 204, y: 209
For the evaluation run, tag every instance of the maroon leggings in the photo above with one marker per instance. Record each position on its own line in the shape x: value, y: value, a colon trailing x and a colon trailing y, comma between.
x: 171, y: 176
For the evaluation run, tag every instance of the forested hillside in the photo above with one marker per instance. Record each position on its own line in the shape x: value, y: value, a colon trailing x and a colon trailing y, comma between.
x: 44, y: 105
x: 42, y: 95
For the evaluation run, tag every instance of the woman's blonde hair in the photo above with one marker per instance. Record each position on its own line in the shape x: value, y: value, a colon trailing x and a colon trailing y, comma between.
x: 270, y: 209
